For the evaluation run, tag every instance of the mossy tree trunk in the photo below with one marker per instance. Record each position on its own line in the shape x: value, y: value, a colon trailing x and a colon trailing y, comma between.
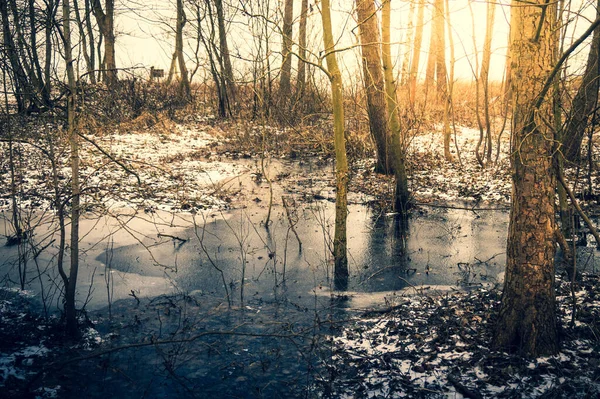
x: 340, y: 252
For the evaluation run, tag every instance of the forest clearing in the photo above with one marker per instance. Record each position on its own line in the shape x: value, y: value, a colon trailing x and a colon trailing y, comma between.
x: 331, y: 199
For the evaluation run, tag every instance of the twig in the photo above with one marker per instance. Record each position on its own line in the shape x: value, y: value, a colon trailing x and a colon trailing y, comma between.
x: 292, y: 225
x: 463, y: 390
x: 464, y: 208
x: 115, y: 160
x: 172, y: 237
x: 585, y: 218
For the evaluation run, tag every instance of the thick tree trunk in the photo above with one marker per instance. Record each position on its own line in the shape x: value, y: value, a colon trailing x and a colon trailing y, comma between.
x: 586, y: 100
x: 374, y: 85
x: 340, y: 252
x: 285, y: 88
x: 527, y: 320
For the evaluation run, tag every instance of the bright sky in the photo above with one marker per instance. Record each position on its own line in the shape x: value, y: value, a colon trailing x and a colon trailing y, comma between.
x: 145, y: 36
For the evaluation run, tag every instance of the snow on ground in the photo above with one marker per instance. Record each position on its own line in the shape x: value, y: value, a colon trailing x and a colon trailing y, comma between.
x: 434, y: 346
x: 167, y: 162
x: 434, y: 178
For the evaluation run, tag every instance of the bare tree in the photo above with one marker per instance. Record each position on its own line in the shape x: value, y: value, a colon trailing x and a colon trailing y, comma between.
x: 401, y: 193
x: 178, y: 56
x: 585, y: 103
x: 340, y: 252
x: 285, y: 89
x: 105, y: 17
x: 71, y: 281
x: 374, y: 85
x: 416, y: 57
x: 301, y: 77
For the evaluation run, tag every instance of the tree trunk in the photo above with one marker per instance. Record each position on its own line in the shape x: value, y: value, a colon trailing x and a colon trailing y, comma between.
x: 341, y: 164
x: 286, y: 65
x: 301, y: 78
x: 585, y: 101
x: 70, y: 289
x: 405, y: 71
x: 106, y: 19
x: 401, y: 194
x: 527, y: 320
x: 184, y: 83
x: 416, y: 57
x: 439, y: 54
x: 225, y: 58
x: 91, y: 40
x: 484, y: 78
x: 84, y: 40
x: 374, y: 85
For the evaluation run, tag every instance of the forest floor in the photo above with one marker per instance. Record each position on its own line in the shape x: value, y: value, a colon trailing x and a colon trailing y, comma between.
x: 430, y: 346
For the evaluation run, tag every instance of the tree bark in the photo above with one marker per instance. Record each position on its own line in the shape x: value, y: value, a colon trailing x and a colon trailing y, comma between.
x: 527, y: 321
x: 340, y: 252
x: 374, y: 85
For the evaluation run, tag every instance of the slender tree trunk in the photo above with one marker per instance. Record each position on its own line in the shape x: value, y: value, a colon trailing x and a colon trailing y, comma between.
x: 19, y: 76
x: 401, y: 194
x: 432, y: 56
x: 184, y: 83
x: 82, y: 33
x: 405, y: 71
x: 416, y: 57
x: 341, y: 164
x: 527, y: 320
x: 484, y: 77
x: 441, y: 72
x: 90, y: 40
x: 301, y: 83
x: 106, y: 20
x: 70, y: 289
x: 374, y: 85
x: 286, y: 47
x: 225, y: 57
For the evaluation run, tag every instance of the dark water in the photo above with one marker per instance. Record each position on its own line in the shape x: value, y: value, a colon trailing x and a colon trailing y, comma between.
x: 250, y: 310
x: 440, y: 247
